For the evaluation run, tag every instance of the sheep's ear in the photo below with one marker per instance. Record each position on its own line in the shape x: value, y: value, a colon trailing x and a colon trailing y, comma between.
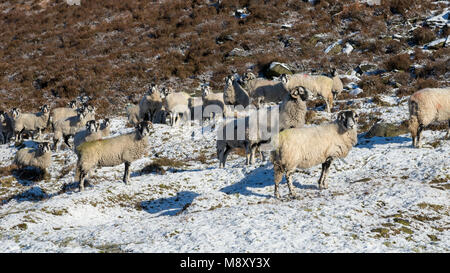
x: 40, y: 146
x: 341, y: 116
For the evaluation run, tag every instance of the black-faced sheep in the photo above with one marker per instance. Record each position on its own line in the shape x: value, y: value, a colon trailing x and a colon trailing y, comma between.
x: 30, y: 122
x: 69, y: 127
x: 309, y: 146
x: 293, y: 109
x: 40, y: 158
x: 112, y: 152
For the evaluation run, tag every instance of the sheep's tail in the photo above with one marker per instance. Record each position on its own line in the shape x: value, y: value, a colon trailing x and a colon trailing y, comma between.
x: 413, y: 107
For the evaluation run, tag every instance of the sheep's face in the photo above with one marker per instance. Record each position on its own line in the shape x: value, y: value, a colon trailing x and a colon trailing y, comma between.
x: 44, y: 108
x: 348, y: 119
x: 144, y: 128
x: 44, y: 147
x: 248, y: 76
x: 92, y: 126
x: 153, y: 89
x: 229, y: 80
x: 2, y: 116
x: 106, y: 123
x: 15, y: 112
x: 206, y: 90
x: 73, y: 104
x: 300, y: 93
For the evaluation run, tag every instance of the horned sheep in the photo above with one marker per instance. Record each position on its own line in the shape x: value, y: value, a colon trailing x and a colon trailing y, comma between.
x: 309, y: 146
x: 264, y: 90
x: 212, y: 100
x: 60, y: 113
x: 293, y: 109
x: 39, y: 158
x: 426, y: 106
x: 69, y: 127
x: 151, y: 105
x: 112, y: 152
x: 30, y: 121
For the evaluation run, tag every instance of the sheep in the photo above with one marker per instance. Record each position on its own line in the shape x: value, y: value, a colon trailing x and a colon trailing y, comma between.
x: 30, y: 122
x: 40, y: 158
x: 263, y: 90
x: 6, y: 127
x: 212, y: 102
x: 89, y: 134
x: 309, y: 146
x: 105, y: 127
x: 317, y: 85
x: 69, y: 127
x: 426, y: 106
x: 176, y: 104
x: 151, y: 105
x: 249, y: 132
x: 60, y: 113
x: 234, y: 94
x: 112, y: 152
x: 133, y: 114
x: 293, y: 109
x: 337, y: 87
x: 196, y: 108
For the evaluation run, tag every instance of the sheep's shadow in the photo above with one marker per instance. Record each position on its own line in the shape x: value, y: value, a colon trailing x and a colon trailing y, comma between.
x: 34, y: 194
x: 259, y: 178
x: 169, y: 206
x: 371, y: 142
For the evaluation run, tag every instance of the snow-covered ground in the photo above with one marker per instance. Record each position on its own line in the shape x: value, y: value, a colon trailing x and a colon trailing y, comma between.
x: 385, y: 196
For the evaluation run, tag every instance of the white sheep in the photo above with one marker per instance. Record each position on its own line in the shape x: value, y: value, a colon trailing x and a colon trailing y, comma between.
x: 338, y: 86
x: 89, y: 134
x: 112, y: 152
x: 212, y: 102
x: 426, y: 106
x: 293, y: 109
x: 309, y: 146
x: 196, y: 108
x: 151, y: 105
x: 177, y: 104
x: 105, y: 127
x: 234, y: 94
x: 264, y: 90
x: 133, y: 114
x: 60, y: 113
x: 30, y: 122
x: 39, y: 158
x: 69, y: 127
x: 317, y: 85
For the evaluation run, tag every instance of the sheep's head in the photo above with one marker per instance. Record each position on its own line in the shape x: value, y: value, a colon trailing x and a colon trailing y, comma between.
x: 248, y: 76
x: 299, y: 93
x: 44, y: 147
x: 166, y: 91
x: 92, y: 126
x: 73, y: 104
x: 15, y: 112
x: 206, y: 90
x: 347, y: 119
x: 229, y: 80
x: 44, y: 108
x: 106, y: 123
x: 144, y: 128
x: 2, y: 116
x: 153, y: 88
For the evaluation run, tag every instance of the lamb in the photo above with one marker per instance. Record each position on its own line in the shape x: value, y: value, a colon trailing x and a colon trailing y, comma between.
x: 30, y: 122
x: 176, y: 104
x: 317, y: 85
x: 6, y: 127
x: 151, y: 105
x: 309, y: 146
x: 426, y: 106
x: 337, y: 87
x: 212, y: 102
x: 263, y: 90
x: 293, y: 109
x: 234, y: 94
x: 40, y: 158
x: 60, y: 113
x: 69, y: 127
x: 112, y: 152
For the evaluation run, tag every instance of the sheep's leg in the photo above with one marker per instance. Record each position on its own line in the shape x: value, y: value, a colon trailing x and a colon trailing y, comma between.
x: 448, y: 130
x: 419, y: 133
x: 66, y: 140
x: 248, y: 152
x: 126, y: 175
x: 278, y: 176
x: 323, y: 176
x: 55, y: 144
x: 290, y: 184
x: 253, y: 154
x: 82, y: 178
x: 225, y: 155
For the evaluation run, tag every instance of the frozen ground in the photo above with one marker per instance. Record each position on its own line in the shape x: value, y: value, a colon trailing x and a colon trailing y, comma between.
x: 384, y: 197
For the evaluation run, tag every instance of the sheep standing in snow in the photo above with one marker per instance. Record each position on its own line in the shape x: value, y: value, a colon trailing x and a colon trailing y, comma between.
x: 105, y: 127
x: 69, y: 127
x: 426, y: 106
x: 30, y: 122
x: 60, y: 113
x: 212, y: 102
x: 263, y: 90
x: 317, y: 85
x: 177, y: 104
x: 234, y: 94
x: 88, y: 134
x: 6, y: 127
x: 293, y: 109
x: 133, y: 114
x: 337, y: 87
x: 112, y: 152
x: 151, y: 104
x: 309, y: 146
x: 39, y: 158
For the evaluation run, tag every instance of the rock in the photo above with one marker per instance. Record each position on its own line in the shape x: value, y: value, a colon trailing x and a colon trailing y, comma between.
x: 347, y: 49
x: 384, y: 129
x: 334, y: 48
x: 277, y: 69
x: 439, y: 43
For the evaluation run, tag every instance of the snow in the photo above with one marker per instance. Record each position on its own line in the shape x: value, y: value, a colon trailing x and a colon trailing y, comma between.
x: 385, y: 196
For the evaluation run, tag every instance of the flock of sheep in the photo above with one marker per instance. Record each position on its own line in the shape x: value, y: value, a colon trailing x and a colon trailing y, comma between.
x: 293, y: 144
